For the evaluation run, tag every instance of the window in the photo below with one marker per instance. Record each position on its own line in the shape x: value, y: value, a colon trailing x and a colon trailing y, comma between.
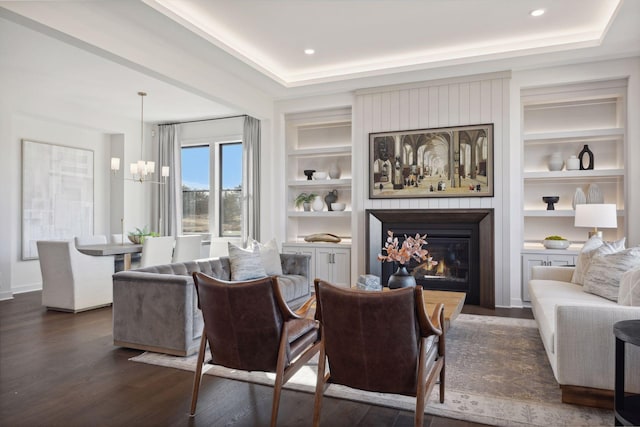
x: 195, y: 189
x: 230, y: 189
x: 212, y: 202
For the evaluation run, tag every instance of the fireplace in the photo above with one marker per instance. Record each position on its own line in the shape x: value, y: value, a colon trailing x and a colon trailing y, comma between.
x: 459, y: 240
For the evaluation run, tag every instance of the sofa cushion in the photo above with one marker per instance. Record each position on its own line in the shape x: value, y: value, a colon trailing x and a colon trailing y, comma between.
x: 270, y: 257
x: 605, y: 272
x: 594, y: 246
x: 246, y: 264
x: 292, y: 286
x: 547, y: 294
x: 630, y: 288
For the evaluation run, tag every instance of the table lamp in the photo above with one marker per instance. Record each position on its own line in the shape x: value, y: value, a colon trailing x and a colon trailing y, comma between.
x: 596, y: 215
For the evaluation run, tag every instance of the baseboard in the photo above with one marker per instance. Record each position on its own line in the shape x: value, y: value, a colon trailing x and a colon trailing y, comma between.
x: 6, y: 295
x: 27, y: 288
x: 587, y: 396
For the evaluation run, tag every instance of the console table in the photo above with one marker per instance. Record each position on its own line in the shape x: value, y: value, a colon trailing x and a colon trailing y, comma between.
x: 627, y: 408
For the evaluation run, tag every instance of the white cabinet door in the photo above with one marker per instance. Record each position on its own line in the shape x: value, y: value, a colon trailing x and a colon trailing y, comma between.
x: 334, y: 265
x: 341, y: 274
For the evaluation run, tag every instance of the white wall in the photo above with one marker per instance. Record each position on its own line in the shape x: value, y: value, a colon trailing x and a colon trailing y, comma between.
x: 462, y: 101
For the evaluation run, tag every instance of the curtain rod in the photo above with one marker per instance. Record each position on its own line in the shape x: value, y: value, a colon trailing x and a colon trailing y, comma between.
x: 204, y: 120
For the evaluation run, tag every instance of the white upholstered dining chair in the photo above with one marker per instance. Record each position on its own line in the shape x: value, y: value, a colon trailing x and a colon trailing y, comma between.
x: 73, y: 281
x: 187, y: 248
x: 157, y: 250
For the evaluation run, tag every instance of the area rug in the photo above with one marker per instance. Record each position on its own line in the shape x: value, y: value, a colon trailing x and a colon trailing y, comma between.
x: 497, y: 373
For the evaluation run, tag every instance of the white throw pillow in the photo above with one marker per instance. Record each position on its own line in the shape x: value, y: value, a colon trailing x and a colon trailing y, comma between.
x: 245, y: 264
x: 630, y: 288
x: 605, y: 272
x: 594, y: 246
x: 270, y: 257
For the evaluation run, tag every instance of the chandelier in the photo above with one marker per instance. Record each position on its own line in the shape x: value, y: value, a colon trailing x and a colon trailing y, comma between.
x: 142, y: 170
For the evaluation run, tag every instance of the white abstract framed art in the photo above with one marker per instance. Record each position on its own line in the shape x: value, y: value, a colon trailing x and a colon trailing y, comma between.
x: 57, y: 194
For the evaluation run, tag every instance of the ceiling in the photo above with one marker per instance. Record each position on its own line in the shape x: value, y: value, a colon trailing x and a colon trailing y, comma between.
x: 112, y: 49
x: 361, y: 37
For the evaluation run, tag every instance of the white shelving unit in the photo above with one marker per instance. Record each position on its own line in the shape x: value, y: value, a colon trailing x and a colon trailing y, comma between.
x: 564, y: 119
x: 320, y: 140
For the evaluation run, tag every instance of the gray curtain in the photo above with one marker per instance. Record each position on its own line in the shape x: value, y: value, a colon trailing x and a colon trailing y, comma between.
x: 169, y: 200
x: 251, y: 180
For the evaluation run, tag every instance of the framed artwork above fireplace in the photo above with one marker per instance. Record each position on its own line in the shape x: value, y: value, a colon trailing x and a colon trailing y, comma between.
x: 440, y: 162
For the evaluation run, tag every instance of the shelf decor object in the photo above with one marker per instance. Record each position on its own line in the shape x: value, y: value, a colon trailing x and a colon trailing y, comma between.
x: 579, y: 198
x: 594, y: 194
x: 573, y: 163
x: 427, y: 163
x: 589, y: 158
x: 550, y: 200
x: 555, y: 242
x: 317, y: 204
x: 334, y: 171
x: 309, y: 174
x: 555, y: 162
x: 596, y: 215
x: 331, y: 197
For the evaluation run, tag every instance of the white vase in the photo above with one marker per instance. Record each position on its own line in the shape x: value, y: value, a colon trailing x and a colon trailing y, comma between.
x: 317, y: 204
x: 334, y: 171
x: 556, y: 162
x: 573, y: 163
x: 594, y: 194
x: 579, y: 198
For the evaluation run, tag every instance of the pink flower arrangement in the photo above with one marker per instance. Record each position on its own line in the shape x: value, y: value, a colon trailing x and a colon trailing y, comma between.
x: 411, y: 248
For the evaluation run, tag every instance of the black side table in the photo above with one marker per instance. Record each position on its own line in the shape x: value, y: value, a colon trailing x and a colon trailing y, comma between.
x: 627, y: 408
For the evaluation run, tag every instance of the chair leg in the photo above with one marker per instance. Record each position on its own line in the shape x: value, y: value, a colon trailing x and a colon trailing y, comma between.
x: 441, y: 354
x: 422, y: 385
x: 277, y: 386
x: 320, y: 385
x: 198, y: 375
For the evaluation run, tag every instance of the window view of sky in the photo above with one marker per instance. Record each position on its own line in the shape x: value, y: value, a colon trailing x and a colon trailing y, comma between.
x: 195, y: 167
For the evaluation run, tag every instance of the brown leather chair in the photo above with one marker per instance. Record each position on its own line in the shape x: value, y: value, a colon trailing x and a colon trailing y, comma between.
x: 379, y: 341
x: 266, y: 335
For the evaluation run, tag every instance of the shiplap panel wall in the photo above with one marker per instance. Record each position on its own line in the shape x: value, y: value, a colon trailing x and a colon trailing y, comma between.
x: 473, y: 100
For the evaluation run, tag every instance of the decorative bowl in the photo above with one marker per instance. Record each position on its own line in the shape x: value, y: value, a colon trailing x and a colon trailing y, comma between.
x: 135, y: 239
x: 556, y: 244
x: 320, y: 175
x: 338, y: 206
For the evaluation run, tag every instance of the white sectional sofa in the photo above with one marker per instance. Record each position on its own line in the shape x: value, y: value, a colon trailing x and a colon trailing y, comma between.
x: 576, y: 328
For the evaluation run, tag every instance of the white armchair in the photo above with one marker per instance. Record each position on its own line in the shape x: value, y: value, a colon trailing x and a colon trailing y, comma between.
x: 72, y: 281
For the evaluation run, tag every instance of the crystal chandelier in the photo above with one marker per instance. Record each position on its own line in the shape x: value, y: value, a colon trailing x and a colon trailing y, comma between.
x: 142, y: 170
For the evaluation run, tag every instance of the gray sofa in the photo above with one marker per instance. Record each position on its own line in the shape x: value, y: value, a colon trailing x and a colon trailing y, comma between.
x: 156, y: 308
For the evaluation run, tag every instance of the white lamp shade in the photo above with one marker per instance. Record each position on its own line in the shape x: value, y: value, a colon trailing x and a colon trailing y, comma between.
x: 115, y: 163
x: 596, y: 215
x: 165, y: 171
x: 151, y: 167
x: 133, y: 168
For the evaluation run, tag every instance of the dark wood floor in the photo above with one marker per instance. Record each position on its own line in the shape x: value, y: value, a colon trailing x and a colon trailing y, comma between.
x: 61, y: 369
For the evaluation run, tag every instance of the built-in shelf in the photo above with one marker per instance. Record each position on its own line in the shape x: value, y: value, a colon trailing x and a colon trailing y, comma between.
x: 342, y: 150
x: 319, y: 214
x: 556, y: 213
x: 574, y: 134
x: 345, y: 182
x: 575, y: 174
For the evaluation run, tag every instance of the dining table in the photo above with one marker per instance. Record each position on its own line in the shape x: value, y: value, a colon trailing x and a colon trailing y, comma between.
x: 104, y: 249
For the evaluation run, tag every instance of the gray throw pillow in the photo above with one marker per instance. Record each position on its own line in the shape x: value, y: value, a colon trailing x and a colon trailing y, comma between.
x: 594, y: 246
x: 245, y: 264
x: 605, y: 272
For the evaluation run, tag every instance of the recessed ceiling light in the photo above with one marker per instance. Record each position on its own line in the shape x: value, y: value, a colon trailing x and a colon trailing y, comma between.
x: 537, y: 12
x: 309, y: 51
